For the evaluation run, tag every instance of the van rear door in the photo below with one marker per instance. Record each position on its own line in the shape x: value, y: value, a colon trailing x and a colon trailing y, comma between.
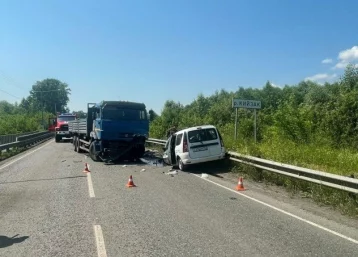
x: 203, y: 143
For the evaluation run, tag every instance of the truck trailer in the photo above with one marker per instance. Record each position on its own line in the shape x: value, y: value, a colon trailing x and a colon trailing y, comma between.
x: 113, y: 130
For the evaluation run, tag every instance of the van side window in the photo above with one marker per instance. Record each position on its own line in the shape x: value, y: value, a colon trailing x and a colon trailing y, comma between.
x: 178, y: 139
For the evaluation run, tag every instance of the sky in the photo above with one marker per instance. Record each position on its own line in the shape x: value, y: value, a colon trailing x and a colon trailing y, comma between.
x: 151, y: 51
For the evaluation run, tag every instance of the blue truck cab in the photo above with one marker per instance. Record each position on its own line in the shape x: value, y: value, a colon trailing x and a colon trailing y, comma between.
x: 112, y: 130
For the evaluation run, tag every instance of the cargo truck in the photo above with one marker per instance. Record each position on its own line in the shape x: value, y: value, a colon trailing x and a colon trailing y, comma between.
x: 113, y: 130
x: 61, y: 123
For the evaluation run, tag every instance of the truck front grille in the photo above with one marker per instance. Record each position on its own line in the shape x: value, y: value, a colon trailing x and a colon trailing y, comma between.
x: 125, y: 135
x: 64, y: 128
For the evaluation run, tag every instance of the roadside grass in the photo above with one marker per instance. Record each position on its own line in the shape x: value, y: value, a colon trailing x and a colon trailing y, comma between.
x: 341, y: 162
x: 345, y: 202
x: 11, y: 152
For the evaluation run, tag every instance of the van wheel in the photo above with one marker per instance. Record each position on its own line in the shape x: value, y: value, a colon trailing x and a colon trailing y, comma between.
x: 181, y: 165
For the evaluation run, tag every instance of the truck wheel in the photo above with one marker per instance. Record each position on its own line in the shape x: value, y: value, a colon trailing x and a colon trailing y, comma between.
x: 78, y: 143
x: 138, y: 152
x: 75, y: 144
x: 92, y: 154
x: 57, y: 139
x: 141, y: 151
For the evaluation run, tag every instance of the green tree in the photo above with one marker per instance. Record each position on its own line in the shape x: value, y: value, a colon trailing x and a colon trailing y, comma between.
x: 6, y: 107
x: 152, y: 115
x: 80, y: 114
x: 49, y: 95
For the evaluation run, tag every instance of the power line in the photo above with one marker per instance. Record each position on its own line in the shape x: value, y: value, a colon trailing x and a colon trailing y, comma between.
x: 10, y: 94
x: 12, y: 81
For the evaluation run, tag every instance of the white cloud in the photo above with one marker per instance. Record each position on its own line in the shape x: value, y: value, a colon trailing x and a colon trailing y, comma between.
x: 347, y: 56
x: 321, y: 77
x: 327, y: 61
x: 274, y: 85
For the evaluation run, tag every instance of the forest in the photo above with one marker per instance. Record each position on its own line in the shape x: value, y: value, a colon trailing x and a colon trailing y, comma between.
x: 309, y: 124
x: 32, y: 113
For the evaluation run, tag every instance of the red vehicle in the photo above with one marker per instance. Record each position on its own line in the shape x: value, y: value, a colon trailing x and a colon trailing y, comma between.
x: 62, y: 125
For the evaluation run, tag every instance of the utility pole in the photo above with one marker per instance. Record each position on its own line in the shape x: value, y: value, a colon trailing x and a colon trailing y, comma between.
x: 42, y: 111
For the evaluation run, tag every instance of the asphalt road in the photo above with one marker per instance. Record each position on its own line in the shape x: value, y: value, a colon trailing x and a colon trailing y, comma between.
x: 49, y: 207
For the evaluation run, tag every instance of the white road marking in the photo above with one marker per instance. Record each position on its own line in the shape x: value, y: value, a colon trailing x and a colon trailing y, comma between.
x: 282, y: 211
x: 90, y: 185
x: 23, y: 156
x: 101, y: 248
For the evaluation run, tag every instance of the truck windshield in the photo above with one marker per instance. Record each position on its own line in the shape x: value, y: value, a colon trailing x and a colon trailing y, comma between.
x: 66, y: 118
x: 114, y: 113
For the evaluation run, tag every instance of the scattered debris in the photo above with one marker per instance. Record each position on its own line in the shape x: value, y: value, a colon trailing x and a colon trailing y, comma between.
x: 204, y: 175
x: 142, y: 170
x: 172, y: 173
x: 124, y: 166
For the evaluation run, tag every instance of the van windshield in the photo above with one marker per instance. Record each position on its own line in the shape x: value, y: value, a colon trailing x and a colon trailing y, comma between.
x: 202, y: 135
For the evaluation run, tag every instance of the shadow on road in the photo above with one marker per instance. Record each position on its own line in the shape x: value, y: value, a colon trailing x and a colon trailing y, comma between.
x: 214, y: 168
x: 42, y: 179
x: 65, y: 141
x: 9, y: 241
x: 149, y: 158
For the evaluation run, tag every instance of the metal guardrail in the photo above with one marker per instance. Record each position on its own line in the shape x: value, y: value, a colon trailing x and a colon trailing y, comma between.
x: 4, y: 139
x: 27, y: 140
x: 156, y: 141
x: 319, y: 177
x: 32, y: 135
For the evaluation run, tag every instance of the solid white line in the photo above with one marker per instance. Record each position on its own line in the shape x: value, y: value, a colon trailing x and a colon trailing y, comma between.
x: 23, y: 156
x: 101, y: 248
x: 90, y: 185
x: 282, y: 211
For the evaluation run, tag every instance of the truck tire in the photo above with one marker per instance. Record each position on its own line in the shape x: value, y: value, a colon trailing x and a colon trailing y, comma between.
x: 141, y: 151
x: 92, y: 154
x: 78, y: 143
x: 75, y: 143
x: 57, y: 138
x: 138, y: 151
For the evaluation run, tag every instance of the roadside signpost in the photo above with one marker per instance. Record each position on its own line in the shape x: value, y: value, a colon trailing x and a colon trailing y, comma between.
x: 246, y: 104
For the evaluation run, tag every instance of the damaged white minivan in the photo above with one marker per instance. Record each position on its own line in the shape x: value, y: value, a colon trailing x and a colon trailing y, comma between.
x: 194, y: 145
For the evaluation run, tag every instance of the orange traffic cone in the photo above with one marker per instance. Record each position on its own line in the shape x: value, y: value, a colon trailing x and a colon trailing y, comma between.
x: 240, y: 185
x: 130, y: 182
x: 86, y: 170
